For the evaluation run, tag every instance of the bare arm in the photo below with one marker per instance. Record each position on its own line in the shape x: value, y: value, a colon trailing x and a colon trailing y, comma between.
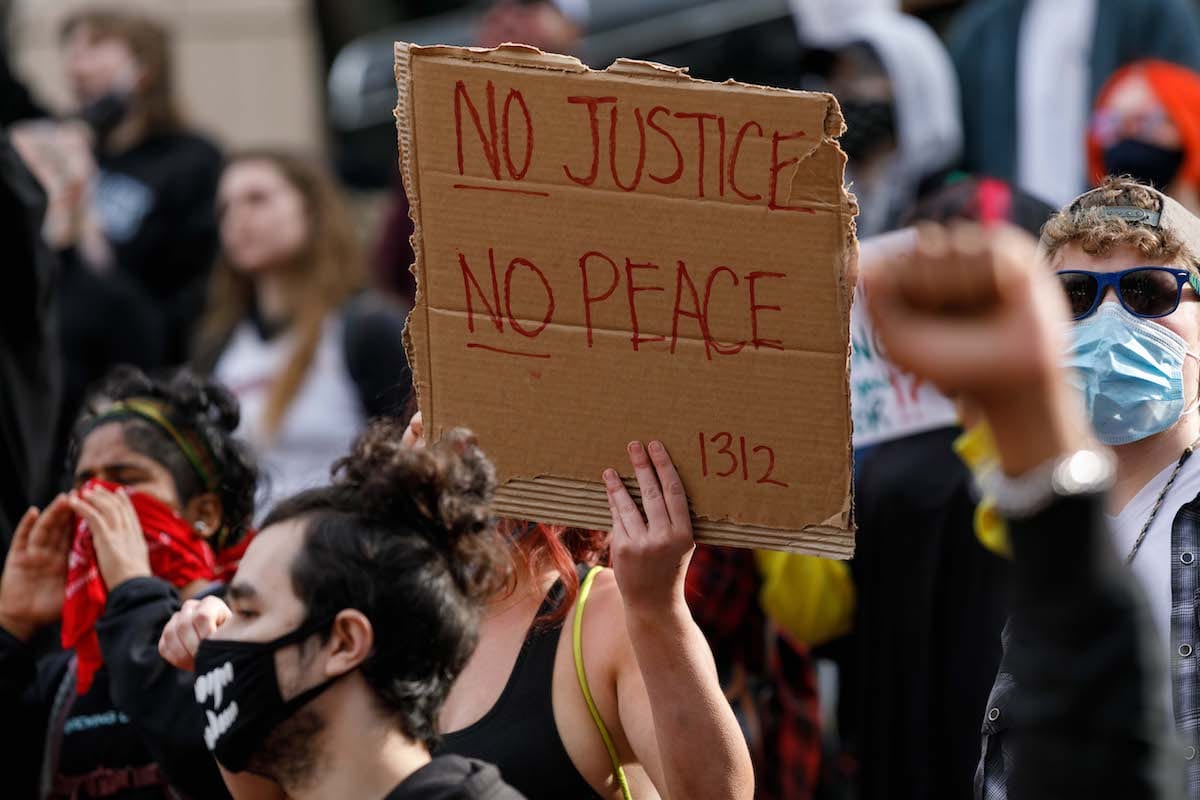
x: 672, y: 709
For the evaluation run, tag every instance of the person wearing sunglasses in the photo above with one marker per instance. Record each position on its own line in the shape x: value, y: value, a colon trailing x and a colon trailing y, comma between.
x: 1127, y: 259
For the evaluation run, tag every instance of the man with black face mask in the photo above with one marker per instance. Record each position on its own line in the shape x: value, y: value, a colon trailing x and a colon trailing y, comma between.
x: 351, y: 615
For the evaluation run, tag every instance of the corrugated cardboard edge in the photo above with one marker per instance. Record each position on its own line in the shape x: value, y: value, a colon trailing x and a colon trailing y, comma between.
x: 573, y: 502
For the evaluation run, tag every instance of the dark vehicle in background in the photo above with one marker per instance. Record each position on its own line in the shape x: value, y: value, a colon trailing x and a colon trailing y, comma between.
x: 748, y: 40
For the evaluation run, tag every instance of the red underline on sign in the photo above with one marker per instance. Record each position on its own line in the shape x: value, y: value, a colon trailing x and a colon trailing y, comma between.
x: 477, y: 346
x: 501, y: 189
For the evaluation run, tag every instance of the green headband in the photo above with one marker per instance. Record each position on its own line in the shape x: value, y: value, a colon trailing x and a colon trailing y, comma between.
x: 190, y: 443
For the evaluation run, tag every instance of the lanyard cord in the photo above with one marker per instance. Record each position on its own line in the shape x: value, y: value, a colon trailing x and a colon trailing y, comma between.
x: 1162, y: 495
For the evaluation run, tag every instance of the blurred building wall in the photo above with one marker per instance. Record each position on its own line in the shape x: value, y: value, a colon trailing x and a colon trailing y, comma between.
x: 247, y: 71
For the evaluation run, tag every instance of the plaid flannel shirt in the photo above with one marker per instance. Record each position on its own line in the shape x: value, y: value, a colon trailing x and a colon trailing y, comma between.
x: 996, y: 761
x: 769, y: 680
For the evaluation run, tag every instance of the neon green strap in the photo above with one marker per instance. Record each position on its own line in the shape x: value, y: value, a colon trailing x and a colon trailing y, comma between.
x: 577, y: 646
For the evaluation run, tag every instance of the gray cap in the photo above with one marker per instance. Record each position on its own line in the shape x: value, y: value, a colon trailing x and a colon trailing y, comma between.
x: 1170, y: 216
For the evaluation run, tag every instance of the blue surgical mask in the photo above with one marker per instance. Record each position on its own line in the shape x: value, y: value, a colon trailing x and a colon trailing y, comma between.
x: 1130, y: 371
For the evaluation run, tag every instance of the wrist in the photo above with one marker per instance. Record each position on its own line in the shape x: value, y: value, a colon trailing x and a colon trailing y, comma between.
x: 669, y: 614
x: 1036, y: 424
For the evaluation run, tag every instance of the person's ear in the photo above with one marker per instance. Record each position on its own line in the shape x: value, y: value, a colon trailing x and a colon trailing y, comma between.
x: 204, y: 513
x: 351, y: 640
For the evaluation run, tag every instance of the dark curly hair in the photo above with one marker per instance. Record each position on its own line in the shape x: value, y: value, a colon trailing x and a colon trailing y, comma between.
x: 191, y: 404
x: 407, y: 538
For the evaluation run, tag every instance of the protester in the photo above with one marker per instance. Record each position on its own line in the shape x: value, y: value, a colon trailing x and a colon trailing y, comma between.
x: 979, y: 316
x: 105, y: 319
x: 155, y: 180
x: 308, y: 354
x: 30, y: 380
x: 162, y: 497
x: 352, y: 614
x: 660, y: 725
x: 898, y: 93
x: 932, y: 600
x: 1030, y: 70
x: 1131, y: 351
x: 1147, y: 125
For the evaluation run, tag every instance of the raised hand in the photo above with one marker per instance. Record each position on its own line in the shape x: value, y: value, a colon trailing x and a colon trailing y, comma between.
x: 194, y: 622
x: 975, y: 312
x: 121, y: 551
x: 33, y: 585
x: 650, y: 553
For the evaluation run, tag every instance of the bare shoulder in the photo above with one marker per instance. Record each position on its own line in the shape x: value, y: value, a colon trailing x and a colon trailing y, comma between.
x: 606, y: 638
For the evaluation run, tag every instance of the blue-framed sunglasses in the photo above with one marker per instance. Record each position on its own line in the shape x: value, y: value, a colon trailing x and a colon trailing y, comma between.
x: 1146, y: 292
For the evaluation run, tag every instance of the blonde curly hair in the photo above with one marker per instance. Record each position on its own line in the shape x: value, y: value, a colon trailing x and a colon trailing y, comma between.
x: 1082, y: 223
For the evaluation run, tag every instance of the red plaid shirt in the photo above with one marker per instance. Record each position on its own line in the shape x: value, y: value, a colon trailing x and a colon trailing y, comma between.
x: 769, y: 680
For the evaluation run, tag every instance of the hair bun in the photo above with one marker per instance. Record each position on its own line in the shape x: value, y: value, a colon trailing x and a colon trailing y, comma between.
x: 449, y: 485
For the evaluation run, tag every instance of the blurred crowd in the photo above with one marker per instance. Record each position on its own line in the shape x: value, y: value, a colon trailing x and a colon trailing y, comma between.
x: 209, y: 332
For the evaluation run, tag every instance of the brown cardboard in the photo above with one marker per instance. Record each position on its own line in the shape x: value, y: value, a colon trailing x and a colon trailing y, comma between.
x: 512, y: 181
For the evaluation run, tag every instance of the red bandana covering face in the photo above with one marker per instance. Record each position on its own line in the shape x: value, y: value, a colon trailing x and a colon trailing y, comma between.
x: 177, y: 555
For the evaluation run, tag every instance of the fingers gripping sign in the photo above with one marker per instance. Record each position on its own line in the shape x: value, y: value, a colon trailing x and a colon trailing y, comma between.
x: 194, y: 622
x: 651, y: 546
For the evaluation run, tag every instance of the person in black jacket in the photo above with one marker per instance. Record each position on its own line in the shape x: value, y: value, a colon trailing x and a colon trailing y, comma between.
x: 30, y: 382
x: 155, y: 182
x: 978, y: 314
x: 352, y: 614
x: 128, y: 728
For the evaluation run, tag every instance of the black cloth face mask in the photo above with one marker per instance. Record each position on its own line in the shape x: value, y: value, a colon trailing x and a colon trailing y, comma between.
x: 868, y: 123
x: 238, y: 691
x: 105, y: 113
x: 1144, y: 161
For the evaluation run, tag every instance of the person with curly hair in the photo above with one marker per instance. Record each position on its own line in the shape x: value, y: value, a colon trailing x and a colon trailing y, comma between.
x: 354, y: 611
x: 163, y: 495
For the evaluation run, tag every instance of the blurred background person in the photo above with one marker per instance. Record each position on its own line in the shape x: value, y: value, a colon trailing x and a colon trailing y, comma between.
x: 1031, y: 69
x: 1147, y: 125
x: 289, y: 329
x: 899, y: 96
x: 155, y: 181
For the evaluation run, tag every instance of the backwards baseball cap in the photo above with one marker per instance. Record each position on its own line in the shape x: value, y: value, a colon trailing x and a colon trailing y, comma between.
x: 1170, y: 216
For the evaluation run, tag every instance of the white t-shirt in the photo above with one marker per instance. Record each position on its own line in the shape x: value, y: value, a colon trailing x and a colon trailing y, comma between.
x: 1152, y: 567
x: 319, y: 425
x: 1053, y: 97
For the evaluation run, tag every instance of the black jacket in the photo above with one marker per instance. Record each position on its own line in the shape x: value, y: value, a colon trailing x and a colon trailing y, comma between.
x: 1088, y: 720
x: 139, y: 717
x: 30, y: 370
x: 455, y: 778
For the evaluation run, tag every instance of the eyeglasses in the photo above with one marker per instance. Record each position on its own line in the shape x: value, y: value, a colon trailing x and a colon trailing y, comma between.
x: 1145, y: 292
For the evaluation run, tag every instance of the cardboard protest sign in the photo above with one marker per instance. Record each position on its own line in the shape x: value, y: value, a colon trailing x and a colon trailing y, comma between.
x: 887, y: 402
x: 633, y: 254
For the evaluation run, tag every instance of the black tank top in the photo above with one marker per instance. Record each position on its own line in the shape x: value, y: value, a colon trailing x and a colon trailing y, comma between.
x: 518, y: 733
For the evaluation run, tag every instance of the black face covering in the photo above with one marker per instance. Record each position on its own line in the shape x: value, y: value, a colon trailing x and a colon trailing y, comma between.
x: 1144, y: 161
x: 868, y: 123
x: 104, y: 114
x: 238, y: 690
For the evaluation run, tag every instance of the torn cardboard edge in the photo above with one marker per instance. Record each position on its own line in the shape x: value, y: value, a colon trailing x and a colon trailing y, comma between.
x: 584, y: 504
x: 579, y: 503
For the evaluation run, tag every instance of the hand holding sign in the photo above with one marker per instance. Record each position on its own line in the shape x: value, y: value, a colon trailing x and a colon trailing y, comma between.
x: 650, y: 553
